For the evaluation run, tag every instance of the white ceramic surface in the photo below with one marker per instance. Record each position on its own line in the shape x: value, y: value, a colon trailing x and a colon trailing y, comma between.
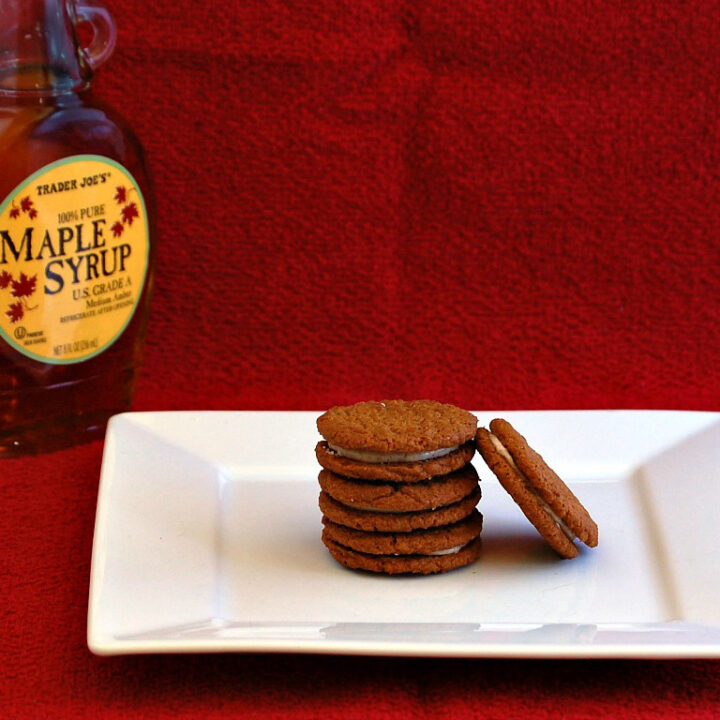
x: 207, y: 539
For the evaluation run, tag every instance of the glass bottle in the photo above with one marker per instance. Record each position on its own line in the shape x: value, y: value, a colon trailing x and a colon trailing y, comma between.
x: 76, y: 219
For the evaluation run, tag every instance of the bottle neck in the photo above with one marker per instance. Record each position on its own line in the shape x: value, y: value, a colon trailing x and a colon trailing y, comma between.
x: 39, y: 50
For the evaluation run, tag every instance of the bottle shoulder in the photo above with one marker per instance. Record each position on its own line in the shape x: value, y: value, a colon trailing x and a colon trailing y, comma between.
x: 92, y: 125
x: 33, y: 135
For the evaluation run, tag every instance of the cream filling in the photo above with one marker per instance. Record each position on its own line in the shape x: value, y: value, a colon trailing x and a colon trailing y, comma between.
x: 556, y: 519
x: 371, y: 456
x: 449, y: 551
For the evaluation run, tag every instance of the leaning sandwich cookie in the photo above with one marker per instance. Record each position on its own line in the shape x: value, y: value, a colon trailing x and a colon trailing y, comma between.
x: 542, y: 496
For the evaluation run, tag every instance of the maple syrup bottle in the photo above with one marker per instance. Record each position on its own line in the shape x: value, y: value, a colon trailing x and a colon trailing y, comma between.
x: 76, y: 257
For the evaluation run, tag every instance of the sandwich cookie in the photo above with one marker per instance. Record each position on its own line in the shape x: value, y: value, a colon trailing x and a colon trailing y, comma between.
x: 420, y: 551
x: 543, y: 497
x: 404, y: 564
x: 384, y: 521
x: 400, y: 497
x: 396, y: 440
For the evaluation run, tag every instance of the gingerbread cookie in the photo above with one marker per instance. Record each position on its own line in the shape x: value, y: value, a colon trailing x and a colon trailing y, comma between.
x: 400, y: 497
x: 418, y: 542
x: 408, y: 472
x: 404, y: 564
x: 396, y: 440
x: 383, y: 521
x: 441, y: 547
x: 542, y: 496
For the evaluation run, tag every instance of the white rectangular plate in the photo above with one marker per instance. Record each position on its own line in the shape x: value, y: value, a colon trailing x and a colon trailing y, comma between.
x: 207, y: 539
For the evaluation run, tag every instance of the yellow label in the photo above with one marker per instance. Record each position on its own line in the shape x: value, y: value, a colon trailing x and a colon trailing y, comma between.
x: 74, y: 247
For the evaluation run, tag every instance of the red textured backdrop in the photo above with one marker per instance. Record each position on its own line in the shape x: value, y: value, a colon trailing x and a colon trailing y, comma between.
x: 497, y: 204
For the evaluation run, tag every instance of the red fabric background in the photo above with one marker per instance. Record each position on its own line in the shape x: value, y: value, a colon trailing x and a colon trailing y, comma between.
x: 502, y: 205
x: 498, y: 204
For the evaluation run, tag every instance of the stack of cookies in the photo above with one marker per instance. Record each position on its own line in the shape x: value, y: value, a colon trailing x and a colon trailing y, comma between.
x: 398, y: 494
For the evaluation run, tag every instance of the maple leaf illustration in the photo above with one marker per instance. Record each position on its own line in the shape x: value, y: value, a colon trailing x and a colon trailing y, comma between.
x: 120, y: 195
x: 117, y: 229
x: 32, y: 213
x: 15, y: 312
x: 15, y: 212
x: 129, y: 212
x: 26, y: 204
x: 24, y: 287
x: 5, y: 279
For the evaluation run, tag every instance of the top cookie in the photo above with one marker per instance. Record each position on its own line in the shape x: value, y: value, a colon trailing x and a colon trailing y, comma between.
x: 397, y: 426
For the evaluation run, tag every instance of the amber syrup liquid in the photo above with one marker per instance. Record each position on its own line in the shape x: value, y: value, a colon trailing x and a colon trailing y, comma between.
x: 44, y: 406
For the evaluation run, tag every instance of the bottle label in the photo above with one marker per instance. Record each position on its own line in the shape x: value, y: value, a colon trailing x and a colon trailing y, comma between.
x: 74, y: 248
